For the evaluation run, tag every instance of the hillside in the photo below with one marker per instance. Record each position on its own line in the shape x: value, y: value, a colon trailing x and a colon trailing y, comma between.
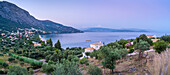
x: 112, y: 30
x: 13, y: 17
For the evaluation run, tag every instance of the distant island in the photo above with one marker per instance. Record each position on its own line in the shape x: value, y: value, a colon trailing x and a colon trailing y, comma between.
x: 98, y: 29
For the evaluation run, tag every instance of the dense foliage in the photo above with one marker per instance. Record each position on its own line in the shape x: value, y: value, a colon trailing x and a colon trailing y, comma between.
x: 142, y: 46
x: 17, y: 70
x: 166, y: 38
x: 94, y: 70
x: 58, y: 45
x: 160, y: 46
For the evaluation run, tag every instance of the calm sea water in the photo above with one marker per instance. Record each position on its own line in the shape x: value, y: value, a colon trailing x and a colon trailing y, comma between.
x: 79, y: 39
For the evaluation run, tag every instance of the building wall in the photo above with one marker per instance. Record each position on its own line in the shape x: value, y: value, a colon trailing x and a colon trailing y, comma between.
x: 96, y: 47
x: 86, y: 50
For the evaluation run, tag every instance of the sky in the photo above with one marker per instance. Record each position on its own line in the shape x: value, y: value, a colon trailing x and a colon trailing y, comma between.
x: 117, y: 14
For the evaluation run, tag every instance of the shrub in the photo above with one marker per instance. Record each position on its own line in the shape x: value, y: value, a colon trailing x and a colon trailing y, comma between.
x: 48, y: 68
x: 4, y: 64
x: 21, y: 63
x: 80, y: 55
x: 51, y: 62
x: 11, y: 59
x: 94, y: 70
x: 131, y: 50
x: 15, y: 61
x: 17, y: 70
x: 166, y: 38
x: 31, y: 71
x: 3, y: 72
x: 1, y: 54
x: 87, y: 53
x: 83, y: 61
x: 19, y: 52
x: 168, y: 46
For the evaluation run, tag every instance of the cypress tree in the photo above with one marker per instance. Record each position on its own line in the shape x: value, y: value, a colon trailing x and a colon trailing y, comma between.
x: 58, y: 45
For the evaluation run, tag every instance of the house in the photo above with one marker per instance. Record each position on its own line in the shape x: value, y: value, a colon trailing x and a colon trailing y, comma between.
x: 91, y: 49
x: 35, y: 45
x: 155, y: 40
x: 151, y: 36
x: 97, y: 45
x: 2, y: 34
x: 94, y: 46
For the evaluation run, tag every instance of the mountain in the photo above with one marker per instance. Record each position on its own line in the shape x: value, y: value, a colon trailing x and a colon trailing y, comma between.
x: 13, y: 17
x: 97, y: 29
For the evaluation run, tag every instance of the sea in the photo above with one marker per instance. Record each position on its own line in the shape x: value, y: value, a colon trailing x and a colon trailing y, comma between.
x: 85, y: 39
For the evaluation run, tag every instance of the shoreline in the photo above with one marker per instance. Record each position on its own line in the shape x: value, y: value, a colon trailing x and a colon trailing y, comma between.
x: 41, y: 38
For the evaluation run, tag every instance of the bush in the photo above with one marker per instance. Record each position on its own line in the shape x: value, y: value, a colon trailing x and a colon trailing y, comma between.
x: 80, y: 55
x: 131, y: 50
x: 94, y: 70
x: 83, y: 61
x: 3, y: 72
x: 168, y: 46
x: 21, y: 63
x: 51, y: 62
x: 11, y: 59
x: 15, y: 61
x: 1, y: 54
x: 166, y: 38
x: 48, y: 68
x: 87, y: 53
x: 19, y: 52
x: 17, y: 70
x: 31, y: 71
x: 4, y: 64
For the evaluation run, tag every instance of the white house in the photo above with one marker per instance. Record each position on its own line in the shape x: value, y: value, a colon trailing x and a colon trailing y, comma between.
x: 94, y: 46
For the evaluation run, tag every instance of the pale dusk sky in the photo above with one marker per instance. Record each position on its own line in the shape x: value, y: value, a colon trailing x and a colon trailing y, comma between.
x: 141, y: 14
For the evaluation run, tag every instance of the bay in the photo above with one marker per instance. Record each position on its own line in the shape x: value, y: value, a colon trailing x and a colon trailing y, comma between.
x: 80, y: 39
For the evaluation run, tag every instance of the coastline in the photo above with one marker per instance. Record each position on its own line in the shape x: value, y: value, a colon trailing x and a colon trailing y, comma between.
x: 41, y: 38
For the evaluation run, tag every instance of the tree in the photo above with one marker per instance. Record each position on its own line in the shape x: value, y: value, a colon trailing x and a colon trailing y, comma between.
x: 87, y: 53
x: 43, y: 43
x: 142, y: 46
x: 122, y: 42
x: 11, y: 59
x: 160, y: 46
x: 67, y: 68
x: 30, y: 42
x: 50, y: 42
x: 94, y: 70
x: 17, y: 70
x: 83, y: 61
x: 110, y: 59
x: 48, y: 68
x: 131, y: 50
x: 58, y: 45
x: 144, y: 38
x: 166, y: 38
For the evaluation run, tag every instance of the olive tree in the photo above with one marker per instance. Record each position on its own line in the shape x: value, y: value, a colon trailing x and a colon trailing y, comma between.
x: 142, y: 46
